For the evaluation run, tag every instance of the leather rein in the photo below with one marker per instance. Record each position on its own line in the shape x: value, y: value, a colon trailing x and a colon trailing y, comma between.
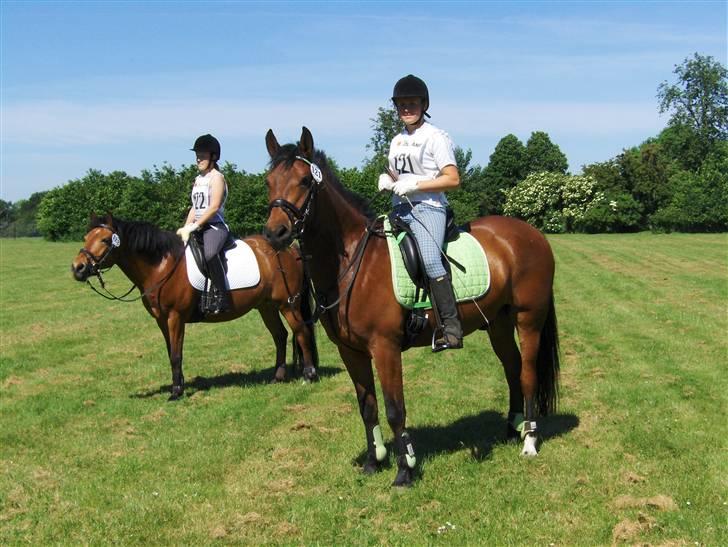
x: 97, y: 270
x: 298, y: 217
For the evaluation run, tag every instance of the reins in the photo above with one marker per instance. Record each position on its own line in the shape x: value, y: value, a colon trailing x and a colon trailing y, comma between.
x: 97, y: 270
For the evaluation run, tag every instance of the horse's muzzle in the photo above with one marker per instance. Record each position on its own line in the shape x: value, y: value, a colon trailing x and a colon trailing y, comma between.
x: 81, y: 270
x: 279, y: 237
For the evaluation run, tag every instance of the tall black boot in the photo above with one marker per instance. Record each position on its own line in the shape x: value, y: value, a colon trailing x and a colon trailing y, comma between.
x: 450, y: 333
x: 221, y: 302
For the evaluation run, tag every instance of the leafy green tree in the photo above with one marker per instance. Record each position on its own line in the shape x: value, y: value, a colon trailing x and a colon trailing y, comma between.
x: 553, y: 202
x: 699, y: 201
x: 385, y: 126
x: 699, y: 99
x: 505, y: 169
x: 543, y: 155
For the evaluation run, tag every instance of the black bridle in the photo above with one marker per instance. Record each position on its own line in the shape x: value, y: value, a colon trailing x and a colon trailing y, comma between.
x: 97, y: 262
x: 97, y: 270
x: 296, y: 215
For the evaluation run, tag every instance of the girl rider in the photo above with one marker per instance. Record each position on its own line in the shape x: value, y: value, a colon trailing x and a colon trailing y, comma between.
x: 423, y: 159
x: 207, y: 214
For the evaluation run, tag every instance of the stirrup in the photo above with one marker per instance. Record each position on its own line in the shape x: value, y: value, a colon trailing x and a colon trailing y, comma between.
x: 445, y: 341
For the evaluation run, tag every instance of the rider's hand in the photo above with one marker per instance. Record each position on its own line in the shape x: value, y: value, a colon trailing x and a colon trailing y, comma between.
x: 186, y: 230
x: 385, y: 182
x: 406, y: 185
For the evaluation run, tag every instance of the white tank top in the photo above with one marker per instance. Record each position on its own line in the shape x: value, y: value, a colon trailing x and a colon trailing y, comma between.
x: 201, y: 197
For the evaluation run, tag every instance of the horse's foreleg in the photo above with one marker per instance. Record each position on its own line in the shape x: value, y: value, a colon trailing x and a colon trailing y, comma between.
x: 359, y: 366
x: 502, y: 338
x: 529, y: 336
x: 304, y: 337
x: 173, y: 328
x: 275, y: 326
x: 388, y: 360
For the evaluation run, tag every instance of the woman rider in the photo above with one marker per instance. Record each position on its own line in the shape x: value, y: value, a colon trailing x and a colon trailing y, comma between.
x: 207, y: 214
x: 422, y: 157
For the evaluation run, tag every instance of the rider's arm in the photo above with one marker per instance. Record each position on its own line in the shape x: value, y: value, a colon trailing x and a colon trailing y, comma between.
x: 448, y: 179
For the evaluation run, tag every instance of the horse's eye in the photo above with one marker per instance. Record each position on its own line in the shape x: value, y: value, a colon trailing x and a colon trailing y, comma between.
x: 107, y: 241
x: 307, y: 181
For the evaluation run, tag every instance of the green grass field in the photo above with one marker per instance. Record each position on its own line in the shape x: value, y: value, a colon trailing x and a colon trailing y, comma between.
x: 91, y: 451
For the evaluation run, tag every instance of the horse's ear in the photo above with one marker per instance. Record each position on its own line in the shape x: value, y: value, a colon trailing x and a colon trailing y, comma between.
x: 306, y: 143
x: 272, y: 144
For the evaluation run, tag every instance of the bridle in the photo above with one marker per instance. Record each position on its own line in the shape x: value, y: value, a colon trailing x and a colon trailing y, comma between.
x: 97, y: 270
x: 97, y: 261
x: 296, y: 215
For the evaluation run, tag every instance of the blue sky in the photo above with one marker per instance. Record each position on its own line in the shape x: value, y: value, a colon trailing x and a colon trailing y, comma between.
x: 129, y: 85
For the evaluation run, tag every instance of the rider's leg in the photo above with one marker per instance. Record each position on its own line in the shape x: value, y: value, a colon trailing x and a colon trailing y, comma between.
x: 215, y: 236
x: 428, y: 226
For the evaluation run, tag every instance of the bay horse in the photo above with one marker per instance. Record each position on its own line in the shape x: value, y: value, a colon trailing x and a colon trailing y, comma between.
x: 154, y: 261
x: 350, y: 269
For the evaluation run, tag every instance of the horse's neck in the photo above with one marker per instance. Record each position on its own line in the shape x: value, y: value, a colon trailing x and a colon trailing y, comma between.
x: 338, y: 226
x: 139, y: 270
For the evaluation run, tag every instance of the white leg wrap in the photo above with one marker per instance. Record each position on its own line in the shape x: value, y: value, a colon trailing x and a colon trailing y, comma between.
x: 379, y: 448
x: 529, y: 445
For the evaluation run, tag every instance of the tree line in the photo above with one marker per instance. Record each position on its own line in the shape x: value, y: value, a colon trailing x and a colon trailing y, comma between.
x: 675, y: 181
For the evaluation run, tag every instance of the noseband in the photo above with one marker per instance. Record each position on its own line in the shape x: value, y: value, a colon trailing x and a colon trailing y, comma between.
x: 295, y: 215
x: 97, y: 261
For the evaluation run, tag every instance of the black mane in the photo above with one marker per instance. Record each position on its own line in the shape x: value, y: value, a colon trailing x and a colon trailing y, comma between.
x: 143, y: 238
x: 287, y: 155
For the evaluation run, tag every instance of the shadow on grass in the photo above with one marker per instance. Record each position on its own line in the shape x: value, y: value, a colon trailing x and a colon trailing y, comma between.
x: 477, y: 434
x: 233, y: 379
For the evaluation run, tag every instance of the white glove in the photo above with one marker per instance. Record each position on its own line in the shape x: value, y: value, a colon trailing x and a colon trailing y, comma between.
x: 406, y: 185
x: 186, y: 230
x: 385, y: 182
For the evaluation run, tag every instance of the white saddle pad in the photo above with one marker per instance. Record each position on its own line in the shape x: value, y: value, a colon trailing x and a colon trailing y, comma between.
x: 242, y: 265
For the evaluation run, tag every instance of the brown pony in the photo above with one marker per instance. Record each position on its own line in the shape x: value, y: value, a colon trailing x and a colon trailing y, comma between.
x: 154, y: 261
x: 350, y: 270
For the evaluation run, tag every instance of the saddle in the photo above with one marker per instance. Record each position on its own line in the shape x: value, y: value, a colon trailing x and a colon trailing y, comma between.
x: 411, y: 252
x: 416, y: 318
x: 197, y: 246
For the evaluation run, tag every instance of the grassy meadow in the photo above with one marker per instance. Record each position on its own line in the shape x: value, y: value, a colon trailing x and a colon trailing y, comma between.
x: 91, y: 451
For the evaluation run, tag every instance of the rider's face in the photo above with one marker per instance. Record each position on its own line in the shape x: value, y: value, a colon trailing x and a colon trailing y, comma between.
x: 409, y: 109
x: 203, y: 161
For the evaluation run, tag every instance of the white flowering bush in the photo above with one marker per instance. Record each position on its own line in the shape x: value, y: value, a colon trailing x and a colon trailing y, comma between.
x: 553, y: 202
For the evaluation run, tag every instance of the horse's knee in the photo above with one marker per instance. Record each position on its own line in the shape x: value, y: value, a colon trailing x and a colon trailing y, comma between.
x: 395, y: 413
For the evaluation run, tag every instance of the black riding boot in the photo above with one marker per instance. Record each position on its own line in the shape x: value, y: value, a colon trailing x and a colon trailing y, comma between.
x: 450, y: 334
x: 221, y: 302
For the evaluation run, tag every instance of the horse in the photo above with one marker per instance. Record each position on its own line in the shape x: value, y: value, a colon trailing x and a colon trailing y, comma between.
x: 154, y: 261
x: 349, y: 267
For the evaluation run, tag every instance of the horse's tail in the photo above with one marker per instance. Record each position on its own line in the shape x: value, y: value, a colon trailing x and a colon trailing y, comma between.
x: 307, y: 314
x: 547, y: 365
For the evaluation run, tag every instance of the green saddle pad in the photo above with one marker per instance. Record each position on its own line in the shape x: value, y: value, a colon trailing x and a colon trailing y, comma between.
x: 469, y: 268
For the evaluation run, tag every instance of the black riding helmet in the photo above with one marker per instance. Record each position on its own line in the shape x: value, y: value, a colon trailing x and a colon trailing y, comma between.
x: 412, y: 86
x: 207, y: 143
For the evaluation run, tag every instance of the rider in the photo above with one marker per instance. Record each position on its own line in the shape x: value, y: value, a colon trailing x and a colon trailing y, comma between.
x: 422, y: 158
x: 207, y: 214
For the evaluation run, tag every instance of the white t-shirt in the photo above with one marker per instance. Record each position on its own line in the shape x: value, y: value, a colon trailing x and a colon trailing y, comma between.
x: 424, y: 153
x: 201, y: 197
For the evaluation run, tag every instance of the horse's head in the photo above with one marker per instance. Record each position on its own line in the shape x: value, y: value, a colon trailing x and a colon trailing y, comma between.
x: 293, y: 181
x: 100, y: 242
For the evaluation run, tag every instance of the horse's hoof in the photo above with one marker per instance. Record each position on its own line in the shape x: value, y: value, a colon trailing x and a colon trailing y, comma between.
x: 403, y: 478
x: 175, y: 396
x: 371, y: 466
x: 310, y: 375
x: 280, y: 375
